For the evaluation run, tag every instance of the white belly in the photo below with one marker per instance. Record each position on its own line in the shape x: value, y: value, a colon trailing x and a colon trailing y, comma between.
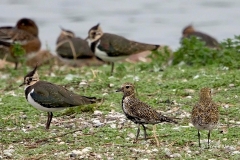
x: 103, y: 55
x: 124, y: 108
x: 205, y: 127
x: 38, y: 106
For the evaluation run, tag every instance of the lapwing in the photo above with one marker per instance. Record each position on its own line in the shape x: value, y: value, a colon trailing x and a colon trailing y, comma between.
x: 50, y: 97
x: 111, y: 47
x: 72, y: 49
x: 140, y: 112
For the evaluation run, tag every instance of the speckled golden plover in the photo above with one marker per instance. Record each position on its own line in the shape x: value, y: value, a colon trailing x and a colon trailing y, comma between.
x: 140, y: 112
x: 205, y: 113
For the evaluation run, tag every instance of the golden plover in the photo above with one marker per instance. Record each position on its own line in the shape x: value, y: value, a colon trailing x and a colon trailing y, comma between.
x: 205, y: 113
x: 140, y: 112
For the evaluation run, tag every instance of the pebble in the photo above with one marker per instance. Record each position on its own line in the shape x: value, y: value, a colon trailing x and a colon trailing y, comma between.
x: 73, y: 155
x: 226, y: 106
x: 235, y: 152
x: 148, y: 151
x: 97, y: 113
x: 52, y: 74
x: 77, y: 152
x: 69, y: 77
x: 189, y: 90
x: 176, y: 155
x: 98, y: 156
x: 229, y: 148
x: 113, y: 125
x: 136, y: 78
x: 105, y: 94
x: 8, y: 152
x: 83, y: 83
x: 238, y: 122
x: 131, y: 135
x: 155, y: 150
x: 231, y: 85
x: 195, y: 77
x: 111, y: 85
x: 167, y: 151
x: 97, y: 123
x: 86, y: 150
x: 189, y: 151
x: 61, y: 143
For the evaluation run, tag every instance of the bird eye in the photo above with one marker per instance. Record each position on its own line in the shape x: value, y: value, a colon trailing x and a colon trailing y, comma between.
x: 30, y: 78
x: 127, y: 87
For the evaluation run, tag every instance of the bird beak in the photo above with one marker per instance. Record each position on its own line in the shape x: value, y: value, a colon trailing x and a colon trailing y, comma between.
x: 119, y: 90
x: 21, y: 84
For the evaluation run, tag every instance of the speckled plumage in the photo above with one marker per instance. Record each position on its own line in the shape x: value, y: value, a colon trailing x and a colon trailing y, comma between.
x: 110, y: 47
x: 139, y: 112
x: 49, y: 97
x: 205, y: 113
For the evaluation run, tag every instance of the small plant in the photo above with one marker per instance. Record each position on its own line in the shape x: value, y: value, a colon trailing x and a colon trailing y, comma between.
x: 19, y: 52
x: 194, y: 52
x: 161, y: 58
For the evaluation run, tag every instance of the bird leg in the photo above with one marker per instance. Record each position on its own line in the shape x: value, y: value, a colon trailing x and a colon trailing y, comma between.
x: 145, y: 132
x: 155, y: 136
x: 137, y: 133
x: 50, y: 115
x: 199, y: 139
x: 112, y: 63
x: 208, y: 137
x: 16, y: 66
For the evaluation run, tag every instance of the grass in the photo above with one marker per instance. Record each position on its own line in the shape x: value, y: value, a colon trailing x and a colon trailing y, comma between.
x: 170, y: 89
x: 22, y: 126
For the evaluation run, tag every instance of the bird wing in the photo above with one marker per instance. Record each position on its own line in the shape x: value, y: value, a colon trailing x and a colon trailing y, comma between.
x: 144, y: 113
x: 54, y: 96
x: 14, y: 35
x: 115, y: 45
x: 71, y: 47
x: 210, y: 41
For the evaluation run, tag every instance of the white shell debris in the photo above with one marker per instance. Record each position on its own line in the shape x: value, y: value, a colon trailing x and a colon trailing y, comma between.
x: 111, y: 85
x: 86, y: 150
x: 131, y: 135
x: 97, y: 113
x: 167, y: 151
x: 97, y: 123
x: 83, y: 83
x: 8, y: 152
x: 69, y: 77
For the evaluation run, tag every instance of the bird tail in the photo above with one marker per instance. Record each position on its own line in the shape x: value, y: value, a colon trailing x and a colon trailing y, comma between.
x: 8, y: 44
x: 167, y: 119
x: 157, y: 47
x: 92, y: 99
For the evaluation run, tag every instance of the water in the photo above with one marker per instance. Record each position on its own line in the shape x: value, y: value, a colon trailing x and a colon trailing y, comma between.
x: 155, y: 21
